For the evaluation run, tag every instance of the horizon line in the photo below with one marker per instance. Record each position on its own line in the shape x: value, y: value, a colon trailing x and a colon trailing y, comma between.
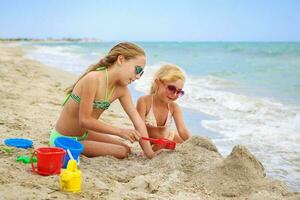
x: 91, y: 39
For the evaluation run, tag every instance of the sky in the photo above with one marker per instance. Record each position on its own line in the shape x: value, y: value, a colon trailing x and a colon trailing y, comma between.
x: 152, y: 20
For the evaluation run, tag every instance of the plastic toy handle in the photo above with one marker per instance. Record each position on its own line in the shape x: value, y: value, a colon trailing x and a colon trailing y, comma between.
x: 156, y: 141
x: 72, y: 158
x: 64, y: 158
x: 151, y: 140
x: 32, y: 163
x: 70, y: 154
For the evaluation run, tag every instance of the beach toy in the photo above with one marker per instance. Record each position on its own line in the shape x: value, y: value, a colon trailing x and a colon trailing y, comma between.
x: 76, y: 148
x: 26, y: 159
x: 70, y: 178
x: 18, y: 142
x: 49, y: 160
x: 165, y: 143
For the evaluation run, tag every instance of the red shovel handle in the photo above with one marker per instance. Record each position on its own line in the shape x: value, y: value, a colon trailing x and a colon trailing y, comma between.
x: 163, y: 142
x: 156, y: 141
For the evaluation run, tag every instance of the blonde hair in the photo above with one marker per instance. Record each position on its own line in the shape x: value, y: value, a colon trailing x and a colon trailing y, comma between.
x: 168, y: 73
x: 126, y: 49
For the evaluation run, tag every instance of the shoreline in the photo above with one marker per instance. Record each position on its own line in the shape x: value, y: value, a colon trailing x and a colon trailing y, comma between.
x: 31, y: 94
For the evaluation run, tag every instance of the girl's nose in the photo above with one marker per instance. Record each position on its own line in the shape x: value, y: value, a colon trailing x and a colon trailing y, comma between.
x: 134, y: 78
x: 138, y: 76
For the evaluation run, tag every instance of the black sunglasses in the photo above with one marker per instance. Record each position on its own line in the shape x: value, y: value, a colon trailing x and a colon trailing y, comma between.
x: 139, y: 70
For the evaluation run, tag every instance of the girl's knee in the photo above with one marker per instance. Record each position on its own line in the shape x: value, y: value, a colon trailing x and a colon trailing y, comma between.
x: 128, y: 149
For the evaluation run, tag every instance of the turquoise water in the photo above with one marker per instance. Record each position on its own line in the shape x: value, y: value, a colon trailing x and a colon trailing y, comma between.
x: 236, y: 93
x: 264, y: 69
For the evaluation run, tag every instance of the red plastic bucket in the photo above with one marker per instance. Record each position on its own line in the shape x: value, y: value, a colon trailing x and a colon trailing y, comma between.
x: 49, y: 160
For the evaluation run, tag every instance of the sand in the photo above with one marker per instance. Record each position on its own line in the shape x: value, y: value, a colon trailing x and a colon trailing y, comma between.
x: 30, y: 97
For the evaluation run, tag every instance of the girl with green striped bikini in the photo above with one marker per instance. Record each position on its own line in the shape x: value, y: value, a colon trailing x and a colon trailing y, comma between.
x: 93, y: 93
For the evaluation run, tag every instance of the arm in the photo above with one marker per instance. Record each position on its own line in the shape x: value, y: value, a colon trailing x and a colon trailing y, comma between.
x: 88, y: 92
x: 142, y: 108
x: 183, y: 132
x: 138, y: 123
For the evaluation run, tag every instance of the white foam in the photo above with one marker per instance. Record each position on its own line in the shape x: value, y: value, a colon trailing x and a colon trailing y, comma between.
x: 68, y: 58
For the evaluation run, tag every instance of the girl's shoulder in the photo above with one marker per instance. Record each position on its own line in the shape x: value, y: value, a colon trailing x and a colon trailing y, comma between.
x: 144, y: 99
x: 88, y: 80
x: 94, y: 75
x: 174, y: 107
x: 91, y: 76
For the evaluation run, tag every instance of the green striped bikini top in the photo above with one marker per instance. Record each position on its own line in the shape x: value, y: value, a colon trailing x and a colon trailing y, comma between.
x: 97, y: 104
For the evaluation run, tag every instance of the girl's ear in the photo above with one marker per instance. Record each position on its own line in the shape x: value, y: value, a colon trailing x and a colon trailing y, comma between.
x: 120, y: 59
x: 157, y: 81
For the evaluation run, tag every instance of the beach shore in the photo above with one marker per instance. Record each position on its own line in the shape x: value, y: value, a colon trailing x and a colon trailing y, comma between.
x: 30, y: 99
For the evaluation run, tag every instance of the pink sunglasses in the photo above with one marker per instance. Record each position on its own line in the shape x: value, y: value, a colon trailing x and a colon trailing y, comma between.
x: 174, y: 90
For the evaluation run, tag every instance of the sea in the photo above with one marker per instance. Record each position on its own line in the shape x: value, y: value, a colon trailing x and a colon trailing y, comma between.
x: 236, y: 93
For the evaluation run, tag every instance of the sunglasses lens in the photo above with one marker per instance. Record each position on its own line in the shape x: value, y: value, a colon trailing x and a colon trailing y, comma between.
x: 181, y: 93
x: 139, y: 70
x: 172, y: 88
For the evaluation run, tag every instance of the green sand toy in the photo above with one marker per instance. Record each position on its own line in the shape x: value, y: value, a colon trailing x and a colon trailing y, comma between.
x: 26, y: 159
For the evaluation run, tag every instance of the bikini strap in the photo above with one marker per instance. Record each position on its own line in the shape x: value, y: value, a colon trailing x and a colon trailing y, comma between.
x: 106, y: 88
x: 101, y: 68
x: 107, y: 96
x: 73, y: 96
x: 66, y: 99
x: 151, y: 108
x: 112, y: 91
x: 169, y: 117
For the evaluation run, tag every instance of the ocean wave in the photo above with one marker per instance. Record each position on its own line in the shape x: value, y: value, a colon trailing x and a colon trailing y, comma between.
x: 69, y: 58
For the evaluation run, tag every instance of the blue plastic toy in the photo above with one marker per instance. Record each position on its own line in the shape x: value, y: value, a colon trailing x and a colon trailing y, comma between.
x: 68, y: 143
x: 18, y: 142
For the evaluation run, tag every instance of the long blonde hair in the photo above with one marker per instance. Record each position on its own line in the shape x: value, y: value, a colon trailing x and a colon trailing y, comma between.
x: 126, y: 49
x: 168, y: 73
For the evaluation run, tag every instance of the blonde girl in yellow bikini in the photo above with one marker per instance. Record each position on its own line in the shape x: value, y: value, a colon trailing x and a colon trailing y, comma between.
x: 92, y: 94
x: 158, y: 109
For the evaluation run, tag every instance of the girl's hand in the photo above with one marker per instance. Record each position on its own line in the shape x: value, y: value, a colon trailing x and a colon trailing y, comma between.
x: 130, y: 134
x: 155, y: 153
x: 158, y: 152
